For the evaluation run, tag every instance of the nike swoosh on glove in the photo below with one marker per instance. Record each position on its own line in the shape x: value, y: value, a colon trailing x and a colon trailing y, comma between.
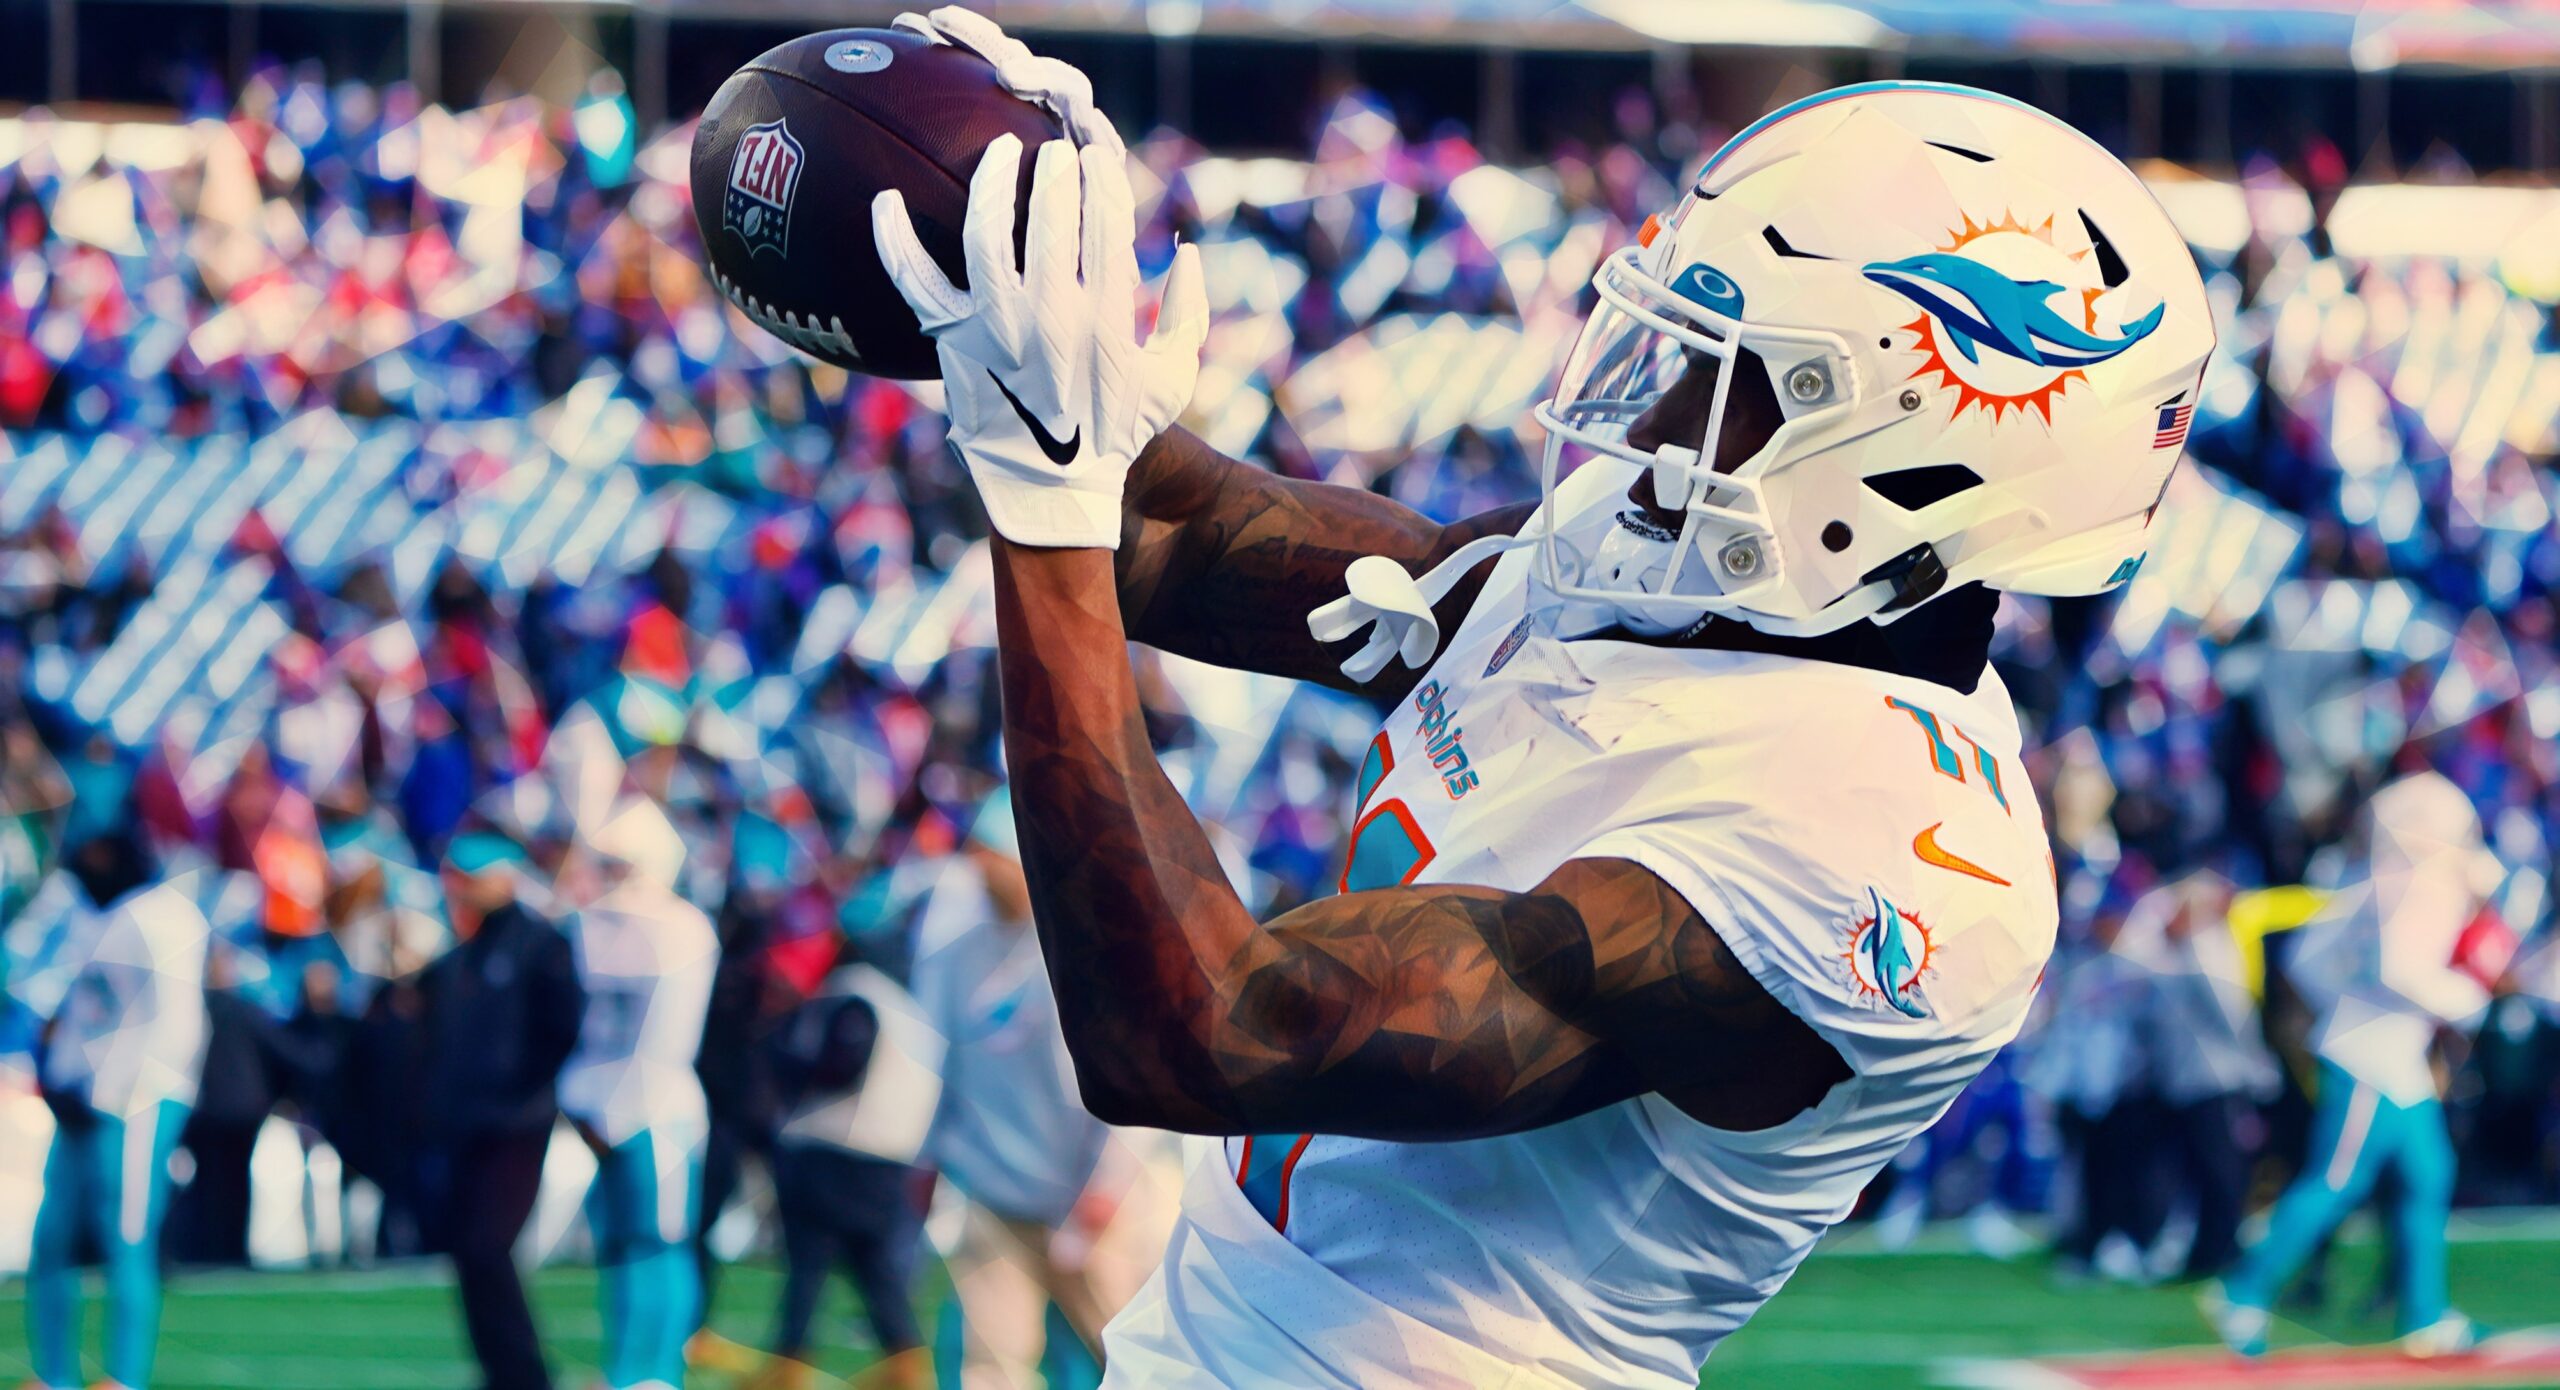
x: 1050, y: 395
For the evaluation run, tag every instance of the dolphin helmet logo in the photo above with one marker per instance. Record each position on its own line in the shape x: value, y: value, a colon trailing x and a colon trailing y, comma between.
x: 2016, y: 348
x: 1979, y: 305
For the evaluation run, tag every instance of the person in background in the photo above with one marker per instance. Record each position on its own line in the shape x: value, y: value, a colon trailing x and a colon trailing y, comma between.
x: 1011, y: 1134
x: 2210, y: 1061
x: 502, y: 1012
x: 861, y: 1067
x: 2386, y: 956
x: 119, y: 986
x: 376, y: 1041
x: 34, y: 801
x: 209, y: 1220
x: 748, y: 1000
x: 2089, y: 1062
x: 645, y: 957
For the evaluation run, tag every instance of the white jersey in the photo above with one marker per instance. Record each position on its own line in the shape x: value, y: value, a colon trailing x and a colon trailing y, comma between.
x: 122, y: 988
x: 2383, y: 957
x: 1868, y: 846
x: 1012, y: 1131
x: 890, y: 1110
x: 646, y: 957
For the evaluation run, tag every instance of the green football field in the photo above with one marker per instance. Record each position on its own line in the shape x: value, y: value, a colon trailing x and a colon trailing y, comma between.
x: 1853, y: 1317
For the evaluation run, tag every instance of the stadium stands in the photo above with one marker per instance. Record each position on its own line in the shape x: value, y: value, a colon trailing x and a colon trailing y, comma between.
x: 351, y: 442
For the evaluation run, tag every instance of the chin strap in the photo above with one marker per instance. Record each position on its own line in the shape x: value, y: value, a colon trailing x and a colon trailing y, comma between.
x: 1396, y: 607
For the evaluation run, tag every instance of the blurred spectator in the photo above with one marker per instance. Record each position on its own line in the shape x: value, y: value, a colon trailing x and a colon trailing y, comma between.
x: 2090, y: 1060
x: 209, y: 1219
x: 1011, y: 1134
x: 2210, y: 1059
x: 861, y: 1065
x: 502, y: 1013
x: 743, y: 1109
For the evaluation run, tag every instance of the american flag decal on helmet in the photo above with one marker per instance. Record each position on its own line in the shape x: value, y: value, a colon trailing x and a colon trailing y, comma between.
x: 2175, y: 416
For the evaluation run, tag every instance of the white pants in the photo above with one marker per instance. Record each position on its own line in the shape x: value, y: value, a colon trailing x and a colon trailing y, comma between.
x: 1006, y: 1272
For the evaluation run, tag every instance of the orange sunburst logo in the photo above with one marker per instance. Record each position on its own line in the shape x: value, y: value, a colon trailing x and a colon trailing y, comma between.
x: 1885, y: 969
x: 1995, y: 398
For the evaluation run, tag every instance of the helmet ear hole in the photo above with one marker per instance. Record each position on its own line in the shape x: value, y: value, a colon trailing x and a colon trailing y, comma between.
x: 1778, y: 242
x: 1913, y: 489
x: 2111, y: 268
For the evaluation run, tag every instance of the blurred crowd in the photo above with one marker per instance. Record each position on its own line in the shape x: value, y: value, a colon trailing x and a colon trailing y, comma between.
x: 355, y: 446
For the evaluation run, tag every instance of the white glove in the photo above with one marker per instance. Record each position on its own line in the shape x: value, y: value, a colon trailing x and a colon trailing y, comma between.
x: 1060, y: 86
x: 1050, y: 395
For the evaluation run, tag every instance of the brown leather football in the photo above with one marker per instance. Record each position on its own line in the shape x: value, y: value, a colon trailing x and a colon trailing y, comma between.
x: 787, y: 158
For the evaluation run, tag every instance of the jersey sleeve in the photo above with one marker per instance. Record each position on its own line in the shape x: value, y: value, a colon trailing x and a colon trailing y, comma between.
x: 1903, y: 913
x: 134, y: 1020
x: 689, y: 957
x: 956, y: 904
x: 609, y: 1018
x: 2423, y: 911
x: 42, y: 954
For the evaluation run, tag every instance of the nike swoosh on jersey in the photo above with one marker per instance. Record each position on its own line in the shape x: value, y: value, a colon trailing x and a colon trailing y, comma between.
x: 1925, y: 844
x: 1060, y: 452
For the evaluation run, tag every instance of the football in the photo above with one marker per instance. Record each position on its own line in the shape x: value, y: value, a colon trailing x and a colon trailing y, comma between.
x: 791, y: 151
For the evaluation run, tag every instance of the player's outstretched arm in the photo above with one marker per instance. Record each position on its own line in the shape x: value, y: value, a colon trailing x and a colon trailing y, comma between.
x: 1446, y: 1012
x: 1425, y: 1013
x: 1221, y: 561
x: 1218, y: 560
x: 1413, y: 1013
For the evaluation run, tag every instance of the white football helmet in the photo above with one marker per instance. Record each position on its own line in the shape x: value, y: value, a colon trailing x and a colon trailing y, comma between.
x: 1899, y: 337
x: 1963, y: 343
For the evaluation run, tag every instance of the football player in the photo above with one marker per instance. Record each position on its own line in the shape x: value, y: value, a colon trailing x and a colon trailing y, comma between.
x: 1058, y: 1211
x: 2384, y: 963
x: 646, y: 958
x: 1694, y: 869
x: 111, y: 959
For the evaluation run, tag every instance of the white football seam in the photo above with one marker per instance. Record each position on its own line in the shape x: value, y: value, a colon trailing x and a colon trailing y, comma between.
x: 785, y: 324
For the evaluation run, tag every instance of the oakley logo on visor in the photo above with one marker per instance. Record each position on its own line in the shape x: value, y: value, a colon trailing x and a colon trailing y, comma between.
x: 1711, y: 289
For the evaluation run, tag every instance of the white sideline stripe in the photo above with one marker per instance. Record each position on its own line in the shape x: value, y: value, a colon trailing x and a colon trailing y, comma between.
x: 2476, y: 1226
x: 1984, y: 1373
x: 2479, y: 1226
x: 2358, y: 1128
x: 1975, y: 1373
x: 260, y: 1283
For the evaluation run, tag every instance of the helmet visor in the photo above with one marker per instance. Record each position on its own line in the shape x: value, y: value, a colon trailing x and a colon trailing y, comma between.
x: 1669, y: 380
x: 1634, y: 364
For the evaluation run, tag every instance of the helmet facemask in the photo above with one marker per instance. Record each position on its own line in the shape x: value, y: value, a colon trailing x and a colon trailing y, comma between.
x: 1970, y: 355
x: 1673, y: 383
x: 1990, y: 346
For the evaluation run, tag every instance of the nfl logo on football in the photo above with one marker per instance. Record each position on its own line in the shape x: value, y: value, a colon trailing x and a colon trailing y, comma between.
x: 763, y: 175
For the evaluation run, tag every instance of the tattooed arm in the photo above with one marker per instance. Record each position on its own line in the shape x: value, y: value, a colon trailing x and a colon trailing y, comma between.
x: 1221, y: 561
x: 1414, y: 1013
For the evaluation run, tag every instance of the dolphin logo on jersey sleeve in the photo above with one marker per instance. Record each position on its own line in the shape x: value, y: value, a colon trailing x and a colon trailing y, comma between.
x: 1883, y: 957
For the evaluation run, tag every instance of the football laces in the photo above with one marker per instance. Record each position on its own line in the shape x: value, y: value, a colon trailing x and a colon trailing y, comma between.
x: 808, y: 334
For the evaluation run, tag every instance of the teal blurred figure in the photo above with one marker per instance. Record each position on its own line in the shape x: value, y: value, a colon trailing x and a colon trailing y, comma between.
x: 113, y: 964
x: 2389, y: 956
